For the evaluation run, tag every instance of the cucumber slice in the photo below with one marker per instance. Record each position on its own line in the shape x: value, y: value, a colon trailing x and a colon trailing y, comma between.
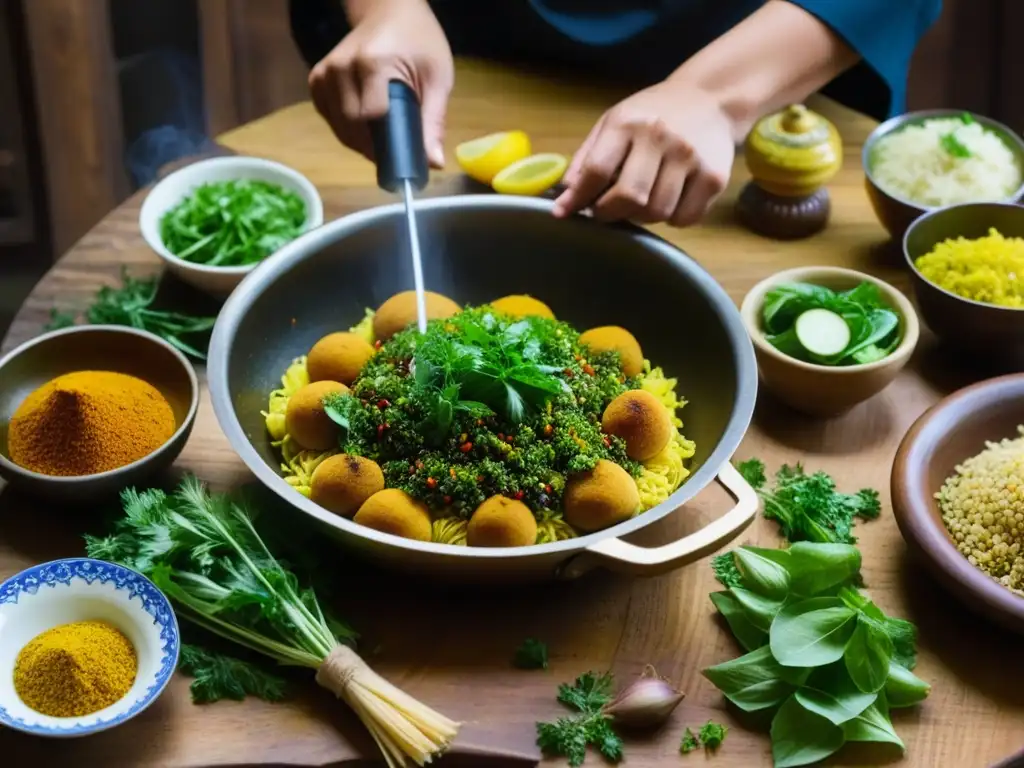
x: 822, y: 332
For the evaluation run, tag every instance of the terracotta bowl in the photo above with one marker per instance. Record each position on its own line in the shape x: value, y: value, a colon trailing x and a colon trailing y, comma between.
x: 895, y: 213
x: 824, y: 390
x: 992, y: 334
x: 950, y: 432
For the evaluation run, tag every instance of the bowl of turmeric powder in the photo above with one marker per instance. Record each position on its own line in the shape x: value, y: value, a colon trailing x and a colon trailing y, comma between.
x: 90, y: 651
x: 89, y: 410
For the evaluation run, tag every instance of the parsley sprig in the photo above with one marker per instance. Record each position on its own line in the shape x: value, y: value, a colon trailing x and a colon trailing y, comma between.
x: 216, y: 676
x: 569, y: 737
x: 532, y: 654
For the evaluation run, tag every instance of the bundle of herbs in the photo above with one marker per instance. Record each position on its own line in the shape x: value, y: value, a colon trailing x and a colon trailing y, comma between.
x: 203, y: 550
x: 822, y: 659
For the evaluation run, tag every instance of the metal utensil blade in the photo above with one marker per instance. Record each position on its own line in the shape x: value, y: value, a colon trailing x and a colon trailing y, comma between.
x: 417, y: 260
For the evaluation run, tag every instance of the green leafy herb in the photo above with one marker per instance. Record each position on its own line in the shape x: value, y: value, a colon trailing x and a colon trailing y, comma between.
x: 724, y: 567
x: 808, y: 507
x: 221, y: 677
x: 233, y: 223
x: 712, y: 734
x: 532, y: 654
x: 873, y: 325
x: 689, y: 742
x: 569, y: 737
x: 131, y: 305
x: 953, y: 146
x: 822, y: 658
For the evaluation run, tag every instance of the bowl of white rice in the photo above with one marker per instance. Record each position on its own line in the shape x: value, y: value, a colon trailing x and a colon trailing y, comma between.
x: 922, y: 161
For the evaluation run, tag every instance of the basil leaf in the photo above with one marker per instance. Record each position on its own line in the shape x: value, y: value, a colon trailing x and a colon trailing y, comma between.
x: 867, y: 656
x: 812, y: 633
x: 817, y: 567
x: 903, y: 688
x: 756, y: 680
x: 831, y: 693
x: 801, y: 737
x: 759, y: 609
x: 873, y: 724
x: 761, y: 574
x: 748, y: 635
x: 785, y: 302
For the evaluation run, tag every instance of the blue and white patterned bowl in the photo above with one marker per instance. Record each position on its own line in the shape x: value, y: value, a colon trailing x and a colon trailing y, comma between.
x: 82, y: 589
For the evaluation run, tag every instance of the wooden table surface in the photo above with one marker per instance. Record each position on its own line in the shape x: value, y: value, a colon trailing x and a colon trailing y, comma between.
x: 452, y: 648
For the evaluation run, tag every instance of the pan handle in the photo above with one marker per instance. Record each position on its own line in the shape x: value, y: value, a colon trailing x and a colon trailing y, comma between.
x: 623, y: 557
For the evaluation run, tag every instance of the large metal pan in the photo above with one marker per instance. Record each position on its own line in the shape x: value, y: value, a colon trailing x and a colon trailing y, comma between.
x: 477, y: 248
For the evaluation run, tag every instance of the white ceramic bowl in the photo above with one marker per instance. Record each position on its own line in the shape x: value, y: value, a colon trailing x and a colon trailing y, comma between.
x: 170, y: 191
x: 82, y: 589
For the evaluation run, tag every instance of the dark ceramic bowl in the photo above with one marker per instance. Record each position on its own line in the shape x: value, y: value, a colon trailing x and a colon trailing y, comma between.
x: 950, y: 432
x: 990, y: 333
x: 896, y: 213
x: 104, y: 348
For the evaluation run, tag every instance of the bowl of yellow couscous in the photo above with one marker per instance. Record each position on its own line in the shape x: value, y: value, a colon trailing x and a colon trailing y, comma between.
x: 958, y: 496
x: 967, y: 270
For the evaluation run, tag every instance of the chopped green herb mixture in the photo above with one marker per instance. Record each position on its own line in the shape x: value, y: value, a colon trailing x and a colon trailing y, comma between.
x: 570, y: 736
x: 217, y: 677
x: 233, y: 223
x: 689, y: 742
x: 489, y: 406
x: 710, y: 736
x: 131, y: 305
x: 793, y: 316
x: 532, y: 654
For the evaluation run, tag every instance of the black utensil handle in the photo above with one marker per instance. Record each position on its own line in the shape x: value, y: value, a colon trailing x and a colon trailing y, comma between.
x: 398, y: 141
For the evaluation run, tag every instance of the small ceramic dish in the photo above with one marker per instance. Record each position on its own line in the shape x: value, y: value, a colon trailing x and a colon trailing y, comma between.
x: 950, y: 432
x: 896, y: 213
x: 82, y: 589
x: 824, y: 390
x: 168, y: 192
x: 987, y: 332
x: 91, y: 348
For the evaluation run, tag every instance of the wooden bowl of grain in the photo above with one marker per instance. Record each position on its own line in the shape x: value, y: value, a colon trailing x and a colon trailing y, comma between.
x: 956, y: 429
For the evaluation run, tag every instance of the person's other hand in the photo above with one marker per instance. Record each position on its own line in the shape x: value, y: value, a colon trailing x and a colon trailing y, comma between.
x: 663, y: 154
x: 393, y: 40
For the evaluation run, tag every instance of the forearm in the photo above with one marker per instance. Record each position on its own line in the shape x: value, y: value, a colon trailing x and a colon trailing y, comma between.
x: 777, y: 56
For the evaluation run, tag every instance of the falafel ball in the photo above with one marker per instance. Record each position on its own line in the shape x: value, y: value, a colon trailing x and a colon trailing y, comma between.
x: 394, y: 511
x: 602, y: 497
x: 305, y: 419
x: 342, y: 483
x: 613, y: 338
x: 519, y: 306
x: 501, y: 522
x: 642, y: 420
x: 338, y: 357
x: 399, y: 312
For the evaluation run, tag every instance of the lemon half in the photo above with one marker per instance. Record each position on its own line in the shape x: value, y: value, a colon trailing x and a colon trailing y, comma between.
x: 481, y: 159
x: 531, y: 175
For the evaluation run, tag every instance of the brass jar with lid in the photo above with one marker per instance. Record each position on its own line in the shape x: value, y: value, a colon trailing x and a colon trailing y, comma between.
x: 791, y: 156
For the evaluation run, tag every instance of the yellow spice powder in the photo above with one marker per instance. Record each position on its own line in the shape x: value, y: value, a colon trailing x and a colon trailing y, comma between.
x: 988, y: 269
x: 75, y: 669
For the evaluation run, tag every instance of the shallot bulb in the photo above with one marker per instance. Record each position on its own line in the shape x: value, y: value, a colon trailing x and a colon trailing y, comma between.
x: 646, y: 703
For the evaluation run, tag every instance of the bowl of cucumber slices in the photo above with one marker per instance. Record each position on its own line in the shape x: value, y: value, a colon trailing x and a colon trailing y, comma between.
x: 828, y: 338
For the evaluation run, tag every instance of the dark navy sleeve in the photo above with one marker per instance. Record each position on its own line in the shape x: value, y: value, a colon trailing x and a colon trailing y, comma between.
x: 885, y: 34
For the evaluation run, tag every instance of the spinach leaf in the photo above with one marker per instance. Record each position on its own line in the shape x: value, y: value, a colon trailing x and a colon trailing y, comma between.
x: 762, y: 574
x: 831, y: 693
x: 903, y: 688
x: 878, y: 325
x: 785, y: 302
x: 748, y: 635
x: 756, y: 680
x: 812, y: 633
x: 867, y: 656
x: 759, y: 609
x: 815, y: 568
x: 873, y: 724
x: 801, y: 737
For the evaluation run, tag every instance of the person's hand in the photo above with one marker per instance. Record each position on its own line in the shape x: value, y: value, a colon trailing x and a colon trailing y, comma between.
x: 393, y: 40
x: 663, y: 154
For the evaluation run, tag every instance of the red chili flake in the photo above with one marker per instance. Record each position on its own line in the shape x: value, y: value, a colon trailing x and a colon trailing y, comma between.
x: 431, y: 483
x: 509, y: 439
x: 568, y: 372
x: 607, y: 442
x: 588, y: 369
x: 519, y: 495
x: 466, y: 447
x: 547, y: 489
x: 380, y: 430
x: 447, y: 499
x: 412, y: 470
x: 377, y: 344
x: 419, y: 465
x: 479, y: 478
x: 577, y: 357
x: 548, y: 430
x: 501, y: 436
x: 382, y: 403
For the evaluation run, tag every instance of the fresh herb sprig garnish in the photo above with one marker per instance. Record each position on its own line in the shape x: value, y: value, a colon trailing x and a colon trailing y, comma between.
x: 710, y: 736
x: 952, y: 144
x: 131, y: 305
x: 532, y: 654
x: 217, y: 677
x: 233, y: 223
x: 569, y: 737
